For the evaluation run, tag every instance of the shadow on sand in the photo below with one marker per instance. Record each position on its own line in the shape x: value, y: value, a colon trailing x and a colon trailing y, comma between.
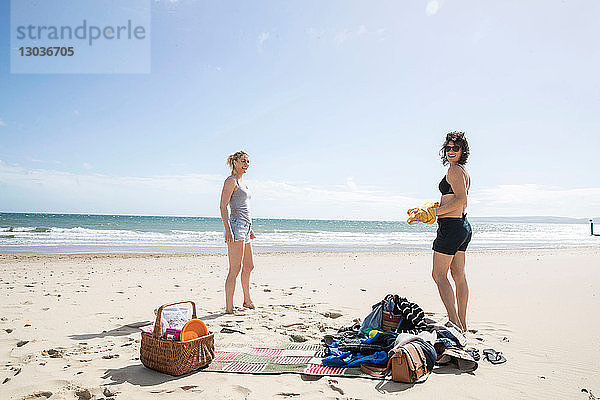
x: 139, y: 375
x: 133, y: 327
x: 450, y: 370
x: 389, y: 386
x: 124, y: 330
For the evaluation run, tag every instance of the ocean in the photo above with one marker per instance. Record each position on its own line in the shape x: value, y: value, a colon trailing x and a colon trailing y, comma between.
x: 88, y: 233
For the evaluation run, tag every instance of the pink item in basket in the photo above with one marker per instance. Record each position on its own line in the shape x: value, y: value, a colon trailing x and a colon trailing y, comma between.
x: 172, y: 334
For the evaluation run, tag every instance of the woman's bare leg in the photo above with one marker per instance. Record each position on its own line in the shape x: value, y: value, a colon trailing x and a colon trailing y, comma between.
x: 247, y: 267
x: 441, y: 265
x: 235, y: 251
x: 457, y: 270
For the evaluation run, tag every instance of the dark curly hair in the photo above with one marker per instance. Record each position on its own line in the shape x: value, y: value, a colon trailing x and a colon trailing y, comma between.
x: 459, y: 139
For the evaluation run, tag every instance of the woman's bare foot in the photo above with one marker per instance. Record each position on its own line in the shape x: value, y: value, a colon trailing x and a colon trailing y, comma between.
x: 457, y: 325
x: 249, y: 305
x: 229, y: 311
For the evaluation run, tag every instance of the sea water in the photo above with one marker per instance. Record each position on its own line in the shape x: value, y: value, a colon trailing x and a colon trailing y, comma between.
x: 79, y: 233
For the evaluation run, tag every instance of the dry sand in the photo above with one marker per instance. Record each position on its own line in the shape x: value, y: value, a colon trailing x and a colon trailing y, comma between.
x: 69, y: 323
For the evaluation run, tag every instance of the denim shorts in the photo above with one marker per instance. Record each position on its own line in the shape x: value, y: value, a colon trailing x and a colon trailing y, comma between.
x: 240, y: 229
x: 453, y: 234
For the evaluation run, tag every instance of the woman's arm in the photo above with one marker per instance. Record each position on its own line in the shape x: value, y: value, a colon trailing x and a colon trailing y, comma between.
x: 457, y: 179
x: 228, y: 187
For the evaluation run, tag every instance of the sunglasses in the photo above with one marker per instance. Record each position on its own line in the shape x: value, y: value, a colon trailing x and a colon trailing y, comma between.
x: 454, y: 148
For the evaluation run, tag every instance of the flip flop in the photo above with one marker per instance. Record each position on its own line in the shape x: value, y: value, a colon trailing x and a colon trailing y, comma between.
x: 493, y: 356
x: 249, y: 305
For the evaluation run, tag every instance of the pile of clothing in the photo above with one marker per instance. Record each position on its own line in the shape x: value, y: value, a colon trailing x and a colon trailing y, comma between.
x: 392, y: 323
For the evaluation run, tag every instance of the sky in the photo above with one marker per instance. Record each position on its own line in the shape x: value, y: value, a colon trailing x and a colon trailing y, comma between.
x: 342, y: 106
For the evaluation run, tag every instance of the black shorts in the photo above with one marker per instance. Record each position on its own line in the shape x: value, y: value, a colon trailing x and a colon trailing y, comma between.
x: 453, y: 234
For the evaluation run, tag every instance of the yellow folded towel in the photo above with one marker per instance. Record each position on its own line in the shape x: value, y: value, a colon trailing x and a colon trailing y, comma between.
x: 426, y: 214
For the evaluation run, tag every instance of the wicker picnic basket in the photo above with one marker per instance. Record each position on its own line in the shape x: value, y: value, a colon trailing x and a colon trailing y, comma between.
x: 173, y: 357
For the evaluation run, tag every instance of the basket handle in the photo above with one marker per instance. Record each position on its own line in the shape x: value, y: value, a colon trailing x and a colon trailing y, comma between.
x: 156, y: 332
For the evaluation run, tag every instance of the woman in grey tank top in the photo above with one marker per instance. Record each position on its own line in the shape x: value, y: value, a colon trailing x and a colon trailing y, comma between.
x: 238, y: 229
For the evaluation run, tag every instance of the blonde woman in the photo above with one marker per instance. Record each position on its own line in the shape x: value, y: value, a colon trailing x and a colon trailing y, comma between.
x: 238, y: 229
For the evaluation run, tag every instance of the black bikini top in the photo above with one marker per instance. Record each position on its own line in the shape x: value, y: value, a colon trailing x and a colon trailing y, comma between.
x: 445, y: 187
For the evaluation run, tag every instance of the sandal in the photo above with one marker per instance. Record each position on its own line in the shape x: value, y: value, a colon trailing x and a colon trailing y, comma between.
x: 493, y: 356
x: 249, y: 305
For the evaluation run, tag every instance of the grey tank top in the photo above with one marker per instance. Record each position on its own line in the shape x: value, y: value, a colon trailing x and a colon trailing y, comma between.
x: 239, y: 203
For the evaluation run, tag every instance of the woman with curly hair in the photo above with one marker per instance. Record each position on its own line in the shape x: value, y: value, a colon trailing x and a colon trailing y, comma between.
x: 238, y: 229
x: 454, y: 230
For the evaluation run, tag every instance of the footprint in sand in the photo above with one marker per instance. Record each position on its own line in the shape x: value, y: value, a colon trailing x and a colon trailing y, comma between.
x: 192, y: 388
x: 242, y: 390
x: 40, y: 395
x: 298, y: 338
x: 53, y: 353
x: 333, y: 386
x: 332, y: 314
x: 83, y: 394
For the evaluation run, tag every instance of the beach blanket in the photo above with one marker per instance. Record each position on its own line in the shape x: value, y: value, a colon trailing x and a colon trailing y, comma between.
x: 296, y: 358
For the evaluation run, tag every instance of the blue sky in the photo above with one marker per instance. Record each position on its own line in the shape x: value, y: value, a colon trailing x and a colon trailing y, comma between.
x: 341, y: 105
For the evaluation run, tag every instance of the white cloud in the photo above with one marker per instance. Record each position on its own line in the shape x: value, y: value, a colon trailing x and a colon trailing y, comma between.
x: 87, y: 166
x: 45, y: 190
x: 35, y: 189
x: 2, y: 123
x: 187, y: 194
x: 313, y: 33
x: 262, y: 38
x: 380, y: 34
x: 341, y: 37
x: 351, y: 184
x: 536, y: 200
x: 432, y: 7
x: 299, y: 200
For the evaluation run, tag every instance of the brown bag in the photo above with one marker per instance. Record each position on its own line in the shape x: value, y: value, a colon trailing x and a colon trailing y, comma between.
x: 390, y: 321
x: 408, y: 364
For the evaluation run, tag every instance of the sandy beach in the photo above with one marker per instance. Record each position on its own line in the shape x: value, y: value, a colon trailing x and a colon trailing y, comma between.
x: 69, y: 323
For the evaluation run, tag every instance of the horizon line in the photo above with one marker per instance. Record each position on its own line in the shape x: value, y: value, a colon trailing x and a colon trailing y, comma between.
x: 288, y: 218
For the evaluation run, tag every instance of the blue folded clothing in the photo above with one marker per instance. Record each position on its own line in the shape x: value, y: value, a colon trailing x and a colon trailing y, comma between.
x: 454, y: 336
x: 349, y: 359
